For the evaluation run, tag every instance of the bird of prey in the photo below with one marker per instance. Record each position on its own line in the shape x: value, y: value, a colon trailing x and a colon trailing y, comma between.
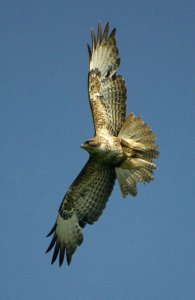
x: 122, y: 148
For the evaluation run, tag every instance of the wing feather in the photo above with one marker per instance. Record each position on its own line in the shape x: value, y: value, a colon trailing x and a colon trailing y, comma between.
x: 107, y: 91
x: 83, y: 203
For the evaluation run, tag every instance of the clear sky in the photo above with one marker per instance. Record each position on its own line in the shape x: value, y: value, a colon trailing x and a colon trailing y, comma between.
x: 141, y: 248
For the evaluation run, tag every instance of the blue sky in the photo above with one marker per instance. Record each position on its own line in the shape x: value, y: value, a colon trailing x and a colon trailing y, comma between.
x: 143, y: 247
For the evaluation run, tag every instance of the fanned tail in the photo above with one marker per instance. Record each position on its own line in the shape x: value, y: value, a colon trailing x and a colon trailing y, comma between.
x: 139, y: 147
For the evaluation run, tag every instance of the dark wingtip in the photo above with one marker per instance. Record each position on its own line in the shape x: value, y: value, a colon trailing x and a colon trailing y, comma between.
x: 112, y: 35
x: 105, y: 34
x: 51, y: 244
x: 113, y: 31
x: 61, y: 257
x: 89, y: 51
x: 55, y: 253
x: 68, y: 258
x: 93, y: 38
x: 107, y: 27
x: 99, y: 34
x: 52, y: 230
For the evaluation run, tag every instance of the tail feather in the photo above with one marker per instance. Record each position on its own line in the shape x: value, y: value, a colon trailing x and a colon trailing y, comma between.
x: 126, y: 181
x: 151, y: 137
x: 130, y: 127
x: 139, y: 147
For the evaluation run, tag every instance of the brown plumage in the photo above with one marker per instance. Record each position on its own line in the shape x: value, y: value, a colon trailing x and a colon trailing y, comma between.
x: 120, y: 148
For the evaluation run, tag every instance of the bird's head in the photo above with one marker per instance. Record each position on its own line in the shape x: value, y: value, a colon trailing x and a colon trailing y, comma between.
x: 94, y: 146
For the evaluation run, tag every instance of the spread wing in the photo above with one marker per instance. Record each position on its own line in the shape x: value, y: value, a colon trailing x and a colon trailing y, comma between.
x: 83, y: 203
x: 107, y: 91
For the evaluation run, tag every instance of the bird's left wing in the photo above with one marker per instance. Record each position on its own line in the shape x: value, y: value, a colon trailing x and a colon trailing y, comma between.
x: 107, y: 91
x: 83, y: 203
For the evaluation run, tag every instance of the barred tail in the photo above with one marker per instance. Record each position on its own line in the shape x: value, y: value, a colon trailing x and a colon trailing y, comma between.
x: 139, y: 147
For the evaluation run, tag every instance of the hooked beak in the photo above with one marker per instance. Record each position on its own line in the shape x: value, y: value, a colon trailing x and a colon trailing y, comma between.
x: 83, y: 146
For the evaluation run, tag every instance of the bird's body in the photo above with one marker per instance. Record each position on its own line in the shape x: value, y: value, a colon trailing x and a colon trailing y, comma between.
x: 121, y: 148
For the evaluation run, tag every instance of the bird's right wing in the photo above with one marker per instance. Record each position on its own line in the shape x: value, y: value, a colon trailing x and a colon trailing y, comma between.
x: 83, y: 203
x: 107, y: 91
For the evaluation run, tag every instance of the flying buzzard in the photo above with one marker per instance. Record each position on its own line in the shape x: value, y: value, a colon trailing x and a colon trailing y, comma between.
x: 121, y: 148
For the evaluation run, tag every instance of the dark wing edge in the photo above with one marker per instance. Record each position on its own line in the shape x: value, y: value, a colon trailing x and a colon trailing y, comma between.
x: 83, y: 203
x: 107, y: 90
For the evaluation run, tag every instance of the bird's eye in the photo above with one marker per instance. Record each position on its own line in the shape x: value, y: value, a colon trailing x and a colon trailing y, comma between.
x: 91, y: 143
